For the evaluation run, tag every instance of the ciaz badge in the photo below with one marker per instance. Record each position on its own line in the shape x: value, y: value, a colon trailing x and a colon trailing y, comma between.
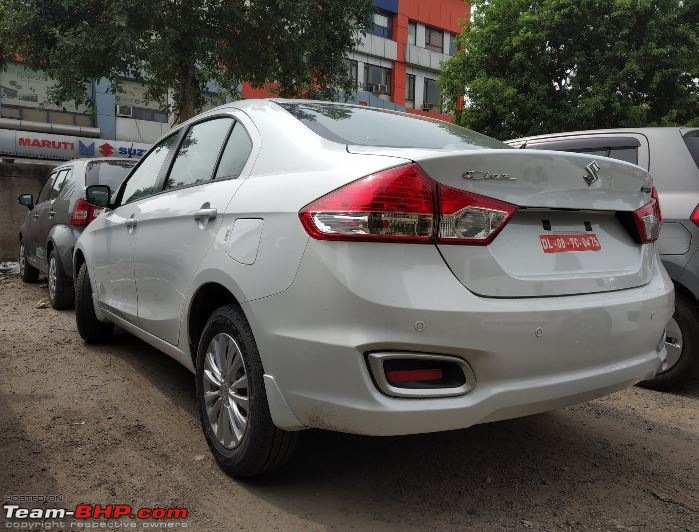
x: 483, y: 175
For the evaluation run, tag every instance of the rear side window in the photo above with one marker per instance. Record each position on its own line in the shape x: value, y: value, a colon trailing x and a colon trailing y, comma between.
x: 142, y: 182
x: 46, y: 189
x: 236, y: 153
x: 110, y: 173
x: 59, y: 183
x: 364, y: 126
x: 198, y: 153
x: 691, y: 139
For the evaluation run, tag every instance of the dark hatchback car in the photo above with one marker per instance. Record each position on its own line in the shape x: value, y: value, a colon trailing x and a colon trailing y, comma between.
x: 54, y: 222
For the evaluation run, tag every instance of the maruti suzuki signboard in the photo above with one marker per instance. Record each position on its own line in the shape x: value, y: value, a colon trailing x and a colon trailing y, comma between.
x: 19, y: 143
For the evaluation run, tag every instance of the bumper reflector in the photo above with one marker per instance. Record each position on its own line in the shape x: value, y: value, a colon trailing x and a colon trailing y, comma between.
x: 416, y: 375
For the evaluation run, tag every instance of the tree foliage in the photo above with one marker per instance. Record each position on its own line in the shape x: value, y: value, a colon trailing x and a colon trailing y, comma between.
x: 183, y: 45
x: 541, y: 66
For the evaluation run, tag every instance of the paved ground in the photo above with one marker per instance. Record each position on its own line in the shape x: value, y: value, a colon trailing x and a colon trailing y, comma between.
x: 117, y: 424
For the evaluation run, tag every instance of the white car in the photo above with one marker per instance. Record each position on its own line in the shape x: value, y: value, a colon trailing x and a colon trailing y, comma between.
x: 354, y: 269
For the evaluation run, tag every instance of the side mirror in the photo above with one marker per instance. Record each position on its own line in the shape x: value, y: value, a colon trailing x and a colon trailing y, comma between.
x: 98, y: 195
x: 27, y: 200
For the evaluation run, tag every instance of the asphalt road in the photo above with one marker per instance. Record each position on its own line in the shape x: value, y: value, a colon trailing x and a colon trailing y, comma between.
x: 116, y: 424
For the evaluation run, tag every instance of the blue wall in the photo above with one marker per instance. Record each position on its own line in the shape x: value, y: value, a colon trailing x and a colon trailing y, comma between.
x: 387, y: 5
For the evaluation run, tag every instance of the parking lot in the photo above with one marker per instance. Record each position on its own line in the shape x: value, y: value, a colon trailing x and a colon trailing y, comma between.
x: 117, y: 424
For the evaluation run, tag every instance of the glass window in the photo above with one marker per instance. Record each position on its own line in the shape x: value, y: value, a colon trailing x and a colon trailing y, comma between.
x: 453, y: 44
x: 434, y: 40
x: 630, y: 155
x: 383, y: 24
x: 236, y: 153
x: 110, y: 173
x: 691, y: 139
x: 142, y: 182
x: 602, y: 152
x: 377, y: 79
x: 410, y: 89
x: 412, y: 31
x: 46, y: 189
x: 376, y: 127
x: 432, y: 98
x: 198, y: 153
x: 59, y: 183
x: 352, y: 67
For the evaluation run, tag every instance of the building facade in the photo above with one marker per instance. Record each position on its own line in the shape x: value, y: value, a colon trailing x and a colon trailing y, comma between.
x: 398, y: 62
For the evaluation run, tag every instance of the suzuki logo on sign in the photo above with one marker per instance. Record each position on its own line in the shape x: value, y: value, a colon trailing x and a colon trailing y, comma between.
x: 88, y: 150
x: 106, y: 149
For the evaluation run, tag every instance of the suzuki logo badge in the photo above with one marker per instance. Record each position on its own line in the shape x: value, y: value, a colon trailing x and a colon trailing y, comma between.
x: 592, y: 176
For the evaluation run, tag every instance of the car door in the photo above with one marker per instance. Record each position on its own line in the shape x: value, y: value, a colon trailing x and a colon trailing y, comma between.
x: 116, y: 231
x: 176, y: 228
x: 31, y: 234
x: 44, y: 215
x: 58, y: 204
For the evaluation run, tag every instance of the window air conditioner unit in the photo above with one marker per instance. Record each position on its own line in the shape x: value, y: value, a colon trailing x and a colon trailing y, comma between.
x: 427, y: 106
x: 376, y: 89
x: 383, y: 89
x: 125, y: 111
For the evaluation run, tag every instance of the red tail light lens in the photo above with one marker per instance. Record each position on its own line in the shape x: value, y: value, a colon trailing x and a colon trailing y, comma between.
x: 468, y: 218
x: 404, y: 204
x: 647, y: 220
x: 84, y: 212
x: 695, y: 216
x: 393, y: 205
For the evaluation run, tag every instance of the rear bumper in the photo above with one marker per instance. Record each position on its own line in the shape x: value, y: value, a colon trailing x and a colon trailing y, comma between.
x: 348, y: 300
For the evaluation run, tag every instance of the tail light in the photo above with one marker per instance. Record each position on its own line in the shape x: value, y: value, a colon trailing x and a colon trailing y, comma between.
x: 84, y: 212
x: 648, y: 219
x: 695, y: 216
x: 404, y: 204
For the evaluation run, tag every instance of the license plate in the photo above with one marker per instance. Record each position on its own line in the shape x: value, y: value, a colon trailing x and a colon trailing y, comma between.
x: 565, y: 243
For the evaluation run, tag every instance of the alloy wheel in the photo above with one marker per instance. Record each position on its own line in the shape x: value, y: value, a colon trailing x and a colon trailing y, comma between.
x: 674, y: 345
x: 226, y: 394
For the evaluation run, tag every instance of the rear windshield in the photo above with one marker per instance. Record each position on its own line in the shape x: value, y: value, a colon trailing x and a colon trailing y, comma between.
x: 110, y: 173
x: 364, y: 126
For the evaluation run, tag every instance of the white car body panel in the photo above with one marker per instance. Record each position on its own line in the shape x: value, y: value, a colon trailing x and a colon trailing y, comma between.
x: 316, y: 308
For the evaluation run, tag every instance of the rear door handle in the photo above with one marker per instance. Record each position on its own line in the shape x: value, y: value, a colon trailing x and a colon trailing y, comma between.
x: 131, y: 223
x: 205, y: 214
x: 36, y: 215
x: 52, y: 213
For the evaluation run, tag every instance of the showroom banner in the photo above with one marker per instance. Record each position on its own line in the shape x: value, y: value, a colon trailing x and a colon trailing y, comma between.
x: 19, y: 143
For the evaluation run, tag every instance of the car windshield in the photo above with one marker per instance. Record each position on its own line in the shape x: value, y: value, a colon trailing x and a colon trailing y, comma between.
x: 365, y: 126
x: 110, y: 173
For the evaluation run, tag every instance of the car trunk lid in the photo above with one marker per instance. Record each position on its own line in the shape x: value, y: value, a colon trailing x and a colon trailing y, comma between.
x: 567, y: 236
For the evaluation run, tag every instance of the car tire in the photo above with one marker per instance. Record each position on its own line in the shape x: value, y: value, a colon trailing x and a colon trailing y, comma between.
x: 61, y: 291
x: 261, y: 447
x: 27, y: 272
x: 678, y: 375
x: 90, y: 328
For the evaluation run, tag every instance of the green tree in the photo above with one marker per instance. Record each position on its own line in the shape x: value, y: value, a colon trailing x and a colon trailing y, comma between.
x: 182, y: 45
x: 541, y: 66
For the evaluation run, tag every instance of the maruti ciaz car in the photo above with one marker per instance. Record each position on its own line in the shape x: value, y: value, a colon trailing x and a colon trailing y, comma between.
x: 52, y: 226
x: 360, y: 270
